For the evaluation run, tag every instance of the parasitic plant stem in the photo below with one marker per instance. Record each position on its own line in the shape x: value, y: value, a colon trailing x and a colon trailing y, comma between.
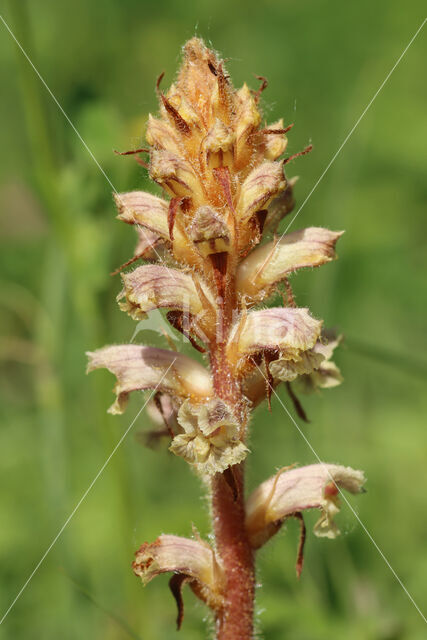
x: 235, y: 618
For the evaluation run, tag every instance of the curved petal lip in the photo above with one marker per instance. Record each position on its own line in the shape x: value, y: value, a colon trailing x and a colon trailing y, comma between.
x: 152, y: 286
x: 271, y: 262
x: 138, y: 367
x: 295, y: 490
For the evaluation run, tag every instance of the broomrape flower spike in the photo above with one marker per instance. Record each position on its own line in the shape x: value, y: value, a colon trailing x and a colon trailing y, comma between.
x: 211, y: 258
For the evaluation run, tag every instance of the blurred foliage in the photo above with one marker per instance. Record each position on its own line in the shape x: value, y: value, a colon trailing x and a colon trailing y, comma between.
x: 59, y: 241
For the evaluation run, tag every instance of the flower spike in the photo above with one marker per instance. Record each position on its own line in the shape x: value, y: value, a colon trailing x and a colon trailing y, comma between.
x: 212, y: 257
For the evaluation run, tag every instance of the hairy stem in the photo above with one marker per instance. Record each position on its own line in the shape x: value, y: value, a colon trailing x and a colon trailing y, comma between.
x: 235, y: 620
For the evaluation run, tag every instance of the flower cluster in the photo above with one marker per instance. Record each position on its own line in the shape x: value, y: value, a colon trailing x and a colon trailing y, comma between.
x: 228, y: 191
x: 212, y: 259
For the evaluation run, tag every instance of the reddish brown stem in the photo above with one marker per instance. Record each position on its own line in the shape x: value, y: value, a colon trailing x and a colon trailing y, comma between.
x: 235, y: 620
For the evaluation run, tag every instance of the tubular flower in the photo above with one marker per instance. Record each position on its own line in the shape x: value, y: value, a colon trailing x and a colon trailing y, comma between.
x: 293, y: 491
x: 152, y: 287
x: 210, y: 262
x: 190, y: 561
x: 289, y: 332
x: 272, y: 262
x: 139, y: 368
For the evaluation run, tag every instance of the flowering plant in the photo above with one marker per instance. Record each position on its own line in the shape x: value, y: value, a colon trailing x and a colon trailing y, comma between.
x: 212, y: 259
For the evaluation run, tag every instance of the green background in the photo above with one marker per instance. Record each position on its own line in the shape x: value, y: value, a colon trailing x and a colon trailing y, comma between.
x: 59, y: 241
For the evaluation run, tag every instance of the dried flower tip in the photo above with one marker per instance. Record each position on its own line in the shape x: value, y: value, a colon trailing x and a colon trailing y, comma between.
x: 193, y: 560
x: 271, y: 262
x: 289, y: 492
x: 138, y: 368
x: 211, y: 438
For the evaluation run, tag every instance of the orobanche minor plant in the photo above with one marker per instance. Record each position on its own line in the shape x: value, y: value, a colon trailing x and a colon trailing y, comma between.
x: 212, y: 259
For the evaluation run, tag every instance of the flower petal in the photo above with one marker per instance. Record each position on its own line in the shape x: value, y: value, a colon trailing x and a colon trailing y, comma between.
x: 148, y: 244
x: 209, y: 232
x: 292, y: 491
x: 276, y: 143
x: 286, y: 370
x: 196, y: 79
x: 175, y: 174
x: 151, y: 287
x: 247, y: 120
x: 327, y: 375
x: 161, y: 135
x: 211, y: 440
x: 139, y: 207
x: 289, y: 330
x: 280, y: 206
x: 138, y: 367
x: 271, y: 262
x: 261, y: 185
